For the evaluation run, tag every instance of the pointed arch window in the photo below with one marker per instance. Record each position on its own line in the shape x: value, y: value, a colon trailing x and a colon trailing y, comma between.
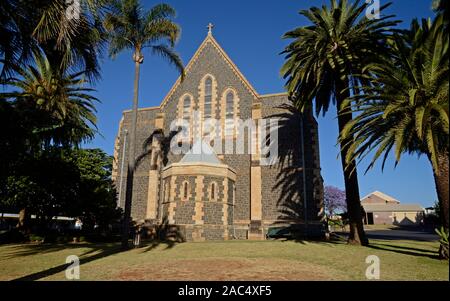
x: 185, y: 191
x: 166, y: 191
x: 187, y: 101
x: 213, y: 193
x: 229, y: 113
x: 208, y: 98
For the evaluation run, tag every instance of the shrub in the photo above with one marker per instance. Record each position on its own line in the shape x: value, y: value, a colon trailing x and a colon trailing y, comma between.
x: 443, y: 240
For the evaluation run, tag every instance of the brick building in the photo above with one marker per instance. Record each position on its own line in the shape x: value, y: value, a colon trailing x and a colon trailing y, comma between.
x: 215, y: 194
x: 382, y: 209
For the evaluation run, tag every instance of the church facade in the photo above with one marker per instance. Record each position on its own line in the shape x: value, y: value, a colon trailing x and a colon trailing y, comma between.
x: 217, y: 185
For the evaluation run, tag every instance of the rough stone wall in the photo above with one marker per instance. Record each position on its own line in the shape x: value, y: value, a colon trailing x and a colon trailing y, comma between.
x: 179, y: 188
x: 214, y: 232
x: 313, y: 176
x: 146, y: 126
x: 185, y: 209
x: 283, y: 191
x: 207, y: 187
x: 213, y: 213
x: 230, y: 202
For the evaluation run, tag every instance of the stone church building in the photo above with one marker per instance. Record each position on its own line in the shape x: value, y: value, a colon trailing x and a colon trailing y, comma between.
x: 213, y: 194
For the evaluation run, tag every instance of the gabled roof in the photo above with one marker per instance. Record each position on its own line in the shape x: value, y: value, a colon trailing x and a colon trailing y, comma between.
x: 392, y: 207
x: 200, y: 152
x: 210, y: 39
x: 382, y: 196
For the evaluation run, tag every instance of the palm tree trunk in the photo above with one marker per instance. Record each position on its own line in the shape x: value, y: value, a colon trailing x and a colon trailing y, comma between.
x: 441, y: 181
x: 131, y: 157
x: 357, y: 236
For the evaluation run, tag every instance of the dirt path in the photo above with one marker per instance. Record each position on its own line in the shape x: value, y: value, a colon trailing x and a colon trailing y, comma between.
x: 230, y: 269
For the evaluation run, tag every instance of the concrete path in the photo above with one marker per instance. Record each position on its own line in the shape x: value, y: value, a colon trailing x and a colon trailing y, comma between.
x: 400, y: 234
x: 403, y: 235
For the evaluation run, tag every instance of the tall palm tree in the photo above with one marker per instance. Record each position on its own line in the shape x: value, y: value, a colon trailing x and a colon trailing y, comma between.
x: 406, y: 109
x: 324, y: 64
x: 133, y: 28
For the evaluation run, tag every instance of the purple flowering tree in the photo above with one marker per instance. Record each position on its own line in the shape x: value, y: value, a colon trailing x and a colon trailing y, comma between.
x: 334, y: 200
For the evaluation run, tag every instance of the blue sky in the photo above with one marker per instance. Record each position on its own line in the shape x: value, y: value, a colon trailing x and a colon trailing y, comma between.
x: 250, y: 32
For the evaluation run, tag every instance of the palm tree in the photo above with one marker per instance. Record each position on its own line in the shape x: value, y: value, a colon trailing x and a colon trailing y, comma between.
x: 442, y: 7
x: 54, y: 109
x: 57, y: 107
x: 406, y: 108
x: 16, y: 41
x: 70, y: 37
x: 133, y: 28
x: 323, y: 63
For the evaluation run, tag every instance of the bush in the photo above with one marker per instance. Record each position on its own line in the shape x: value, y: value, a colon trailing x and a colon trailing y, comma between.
x: 36, y: 238
x: 443, y: 240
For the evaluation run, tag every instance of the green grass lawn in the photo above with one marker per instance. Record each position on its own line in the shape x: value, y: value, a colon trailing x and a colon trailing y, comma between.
x: 230, y: 260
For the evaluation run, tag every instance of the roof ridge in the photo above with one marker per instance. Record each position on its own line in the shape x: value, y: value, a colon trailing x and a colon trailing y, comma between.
x: 381, y: 195
x: 210, y: 39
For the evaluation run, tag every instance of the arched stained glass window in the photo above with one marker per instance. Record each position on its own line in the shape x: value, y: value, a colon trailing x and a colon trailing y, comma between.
x: 229, y: 113
x: 230, y: 105
x: 208, y: 98
x: 187, y: 108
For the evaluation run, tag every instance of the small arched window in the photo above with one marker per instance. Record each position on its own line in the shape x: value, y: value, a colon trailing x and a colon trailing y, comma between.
x: 213, y: 193
x: 185, y: 191
x: 229, y: 113
x: 166, y: 191
x: 187, y: 108
x: 208, y: 98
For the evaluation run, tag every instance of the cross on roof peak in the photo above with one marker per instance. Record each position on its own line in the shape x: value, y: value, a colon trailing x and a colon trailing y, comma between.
x: 210, y: 27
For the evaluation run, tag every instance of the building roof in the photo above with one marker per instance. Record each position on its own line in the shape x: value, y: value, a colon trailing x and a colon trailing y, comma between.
x: 380, y: 195
x: 200, y: 152
x: 392, y: 207
x: 211, y: 40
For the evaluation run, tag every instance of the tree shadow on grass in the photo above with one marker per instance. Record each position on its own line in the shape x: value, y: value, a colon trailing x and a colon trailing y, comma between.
x: 39, y: 249
x: 333, y: 240
x: 154, y: 244
x: 404, y: 250
x: 163, y: 234
x: 103, y: 249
